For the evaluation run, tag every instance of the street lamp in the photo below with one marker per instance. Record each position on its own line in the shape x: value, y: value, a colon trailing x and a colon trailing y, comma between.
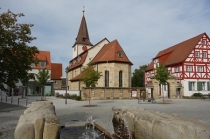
x: 66, y: 84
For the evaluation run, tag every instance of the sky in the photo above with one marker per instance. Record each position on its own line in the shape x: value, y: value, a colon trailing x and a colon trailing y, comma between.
x: 142, y: 27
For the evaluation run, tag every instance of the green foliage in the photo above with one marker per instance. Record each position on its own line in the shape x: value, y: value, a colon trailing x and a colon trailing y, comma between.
x: 73, y: 96
x: 16, y: 55
x: 42, y: 76
x: 162, y: 74
x: 138, y: 76
x: 197, y: 94
x: 90, y: 76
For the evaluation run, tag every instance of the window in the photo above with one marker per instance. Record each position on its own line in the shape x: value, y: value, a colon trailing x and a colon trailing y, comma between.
x: 120, y: 54
x: 203, y: 41
x: 201, y: 86
x: 165, y: 87
x: 177, y: 69
x: 191, y: 86
x: 197, y: 54
x: 74, y: 61
x: 208, y: 86
x: 106, y: 78
x: 120, y: 79
x: 79, y: 59
x: 33, y: 64
x: 200, y: 68
x: 55, y: 82
x: 43, y: 64
x: 189, y: 68
x: 204, y: 54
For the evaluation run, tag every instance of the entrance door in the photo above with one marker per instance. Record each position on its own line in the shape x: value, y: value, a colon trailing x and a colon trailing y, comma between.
x: 178, y: 92
x: 152, y: 93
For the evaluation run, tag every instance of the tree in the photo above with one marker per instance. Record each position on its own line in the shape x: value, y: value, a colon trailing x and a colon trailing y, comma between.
x: 41, y: 79
x: 138, y: 76
x: 16, y: 55
x: 162, y: 75
x: 90, y: 77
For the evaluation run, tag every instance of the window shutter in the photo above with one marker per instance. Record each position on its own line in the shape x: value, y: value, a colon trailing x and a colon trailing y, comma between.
x: 199, y: 86
x: 190, y: 86
x: 208, y: 87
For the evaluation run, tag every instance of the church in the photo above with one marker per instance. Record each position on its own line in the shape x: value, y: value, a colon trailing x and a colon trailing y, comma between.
x: 108, y: 57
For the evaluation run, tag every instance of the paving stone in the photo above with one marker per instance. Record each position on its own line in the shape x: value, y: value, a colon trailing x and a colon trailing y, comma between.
x: 74, y: 112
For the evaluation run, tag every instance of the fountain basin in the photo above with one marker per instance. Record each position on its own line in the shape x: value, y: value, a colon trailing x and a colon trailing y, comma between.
x: 85, y: 131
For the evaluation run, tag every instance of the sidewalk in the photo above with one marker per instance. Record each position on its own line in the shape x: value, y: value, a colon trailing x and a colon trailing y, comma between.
x: 74, y: 112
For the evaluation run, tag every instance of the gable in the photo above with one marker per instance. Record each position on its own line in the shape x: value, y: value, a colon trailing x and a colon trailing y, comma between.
x: 111, y: 52
x: 43, y: 56
x: 177, y: 53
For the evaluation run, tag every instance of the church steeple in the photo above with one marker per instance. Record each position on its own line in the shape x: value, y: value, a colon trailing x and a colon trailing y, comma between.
x: 83, y: 36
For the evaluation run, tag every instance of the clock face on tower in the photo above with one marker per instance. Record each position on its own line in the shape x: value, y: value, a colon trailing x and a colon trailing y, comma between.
x: 84, y: 48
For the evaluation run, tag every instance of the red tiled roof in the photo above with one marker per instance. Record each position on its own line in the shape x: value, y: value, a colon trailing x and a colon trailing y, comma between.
x: 109, y: 53
x: 56, y: 71
x: 75, y: 63
x: 179, y: 52
x: 77, y: 78
x: 43, y: 56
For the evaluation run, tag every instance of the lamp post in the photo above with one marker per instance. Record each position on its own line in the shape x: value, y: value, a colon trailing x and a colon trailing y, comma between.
x: 66, y: 84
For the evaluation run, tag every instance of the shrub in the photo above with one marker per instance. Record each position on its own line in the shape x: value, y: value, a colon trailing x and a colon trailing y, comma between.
x: 57, y: 94
x: 60, y: 96
x: 197, y: 94
x: 78, y: 98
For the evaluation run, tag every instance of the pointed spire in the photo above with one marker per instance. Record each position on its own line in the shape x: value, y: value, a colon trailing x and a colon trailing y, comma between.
x: 83, y: 36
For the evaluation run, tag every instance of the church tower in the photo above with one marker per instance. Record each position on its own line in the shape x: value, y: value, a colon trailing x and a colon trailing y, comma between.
x: 82, y: 42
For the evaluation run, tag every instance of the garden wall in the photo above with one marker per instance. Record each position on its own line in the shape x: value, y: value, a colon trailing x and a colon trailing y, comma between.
x: 98, y: 93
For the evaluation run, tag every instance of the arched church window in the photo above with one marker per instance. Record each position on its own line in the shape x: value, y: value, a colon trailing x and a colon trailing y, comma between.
x: 120, y: 78
x: 106, y: 78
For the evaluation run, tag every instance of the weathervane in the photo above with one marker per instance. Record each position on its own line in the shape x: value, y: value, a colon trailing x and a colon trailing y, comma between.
x: 83, y: 10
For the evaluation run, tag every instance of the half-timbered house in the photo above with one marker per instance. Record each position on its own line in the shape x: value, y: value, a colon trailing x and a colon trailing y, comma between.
x: 189, y: 65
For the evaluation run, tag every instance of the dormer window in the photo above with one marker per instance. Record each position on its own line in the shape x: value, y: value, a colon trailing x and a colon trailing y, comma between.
x: 74, y: 61
x: 120, y: 54
x: 79, y: 59
x: 33, y: 65
x: 43, y: 63
x: 70, y: 63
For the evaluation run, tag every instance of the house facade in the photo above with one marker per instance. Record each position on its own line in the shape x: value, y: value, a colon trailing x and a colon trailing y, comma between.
x: 107, y: 57
x: 55, y: 71
x: 189, y: 66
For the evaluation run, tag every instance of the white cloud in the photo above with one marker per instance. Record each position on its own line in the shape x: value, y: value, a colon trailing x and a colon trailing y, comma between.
x: 142, y: 27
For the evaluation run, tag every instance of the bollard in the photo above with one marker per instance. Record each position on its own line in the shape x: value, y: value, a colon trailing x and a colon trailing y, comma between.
x: 11, y: 100
x: 139, y: 101
x: 26, y: 101
x: 6, y: 98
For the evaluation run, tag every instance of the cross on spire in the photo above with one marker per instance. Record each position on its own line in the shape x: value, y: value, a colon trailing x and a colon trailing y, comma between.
x: 83, y: 10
